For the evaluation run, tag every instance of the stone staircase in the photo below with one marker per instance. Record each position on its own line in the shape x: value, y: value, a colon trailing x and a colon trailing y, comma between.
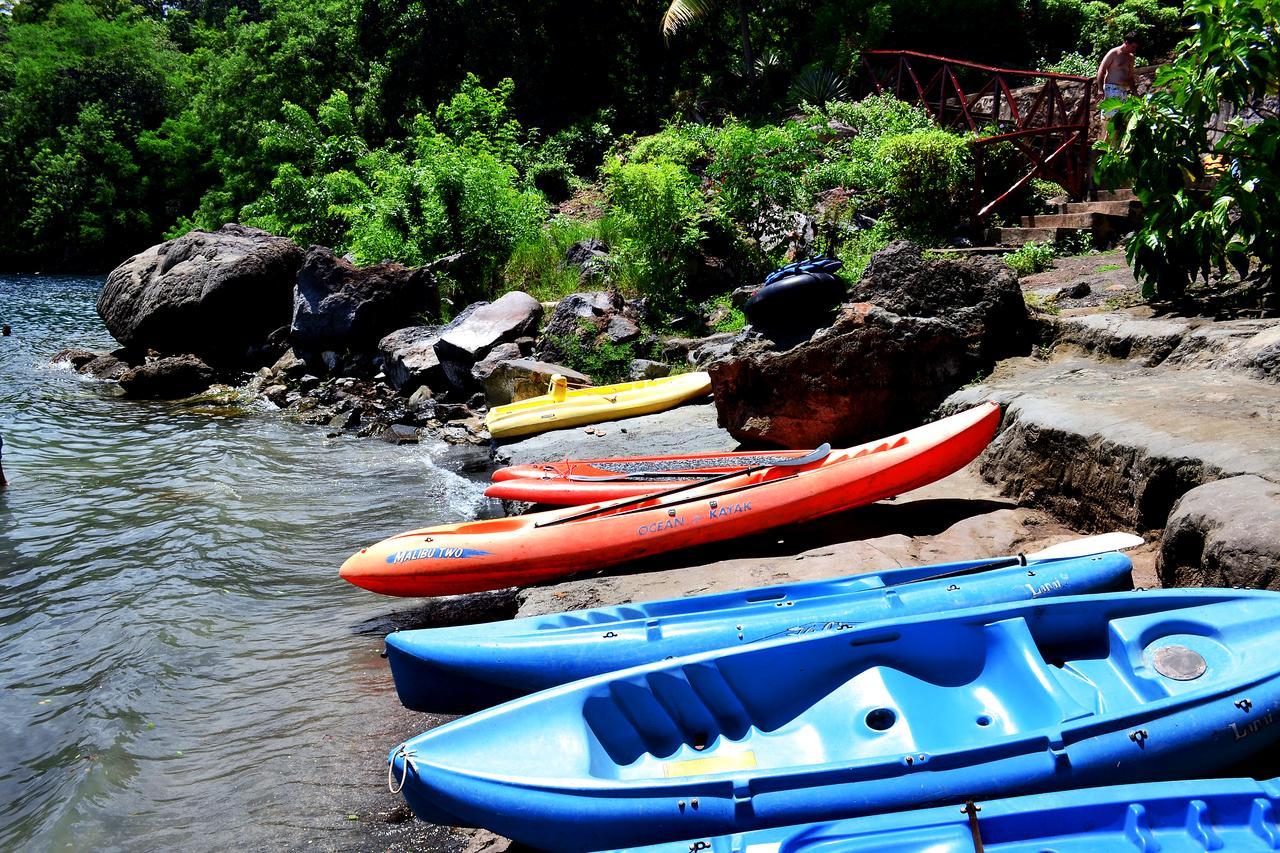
x: 1114, y: 214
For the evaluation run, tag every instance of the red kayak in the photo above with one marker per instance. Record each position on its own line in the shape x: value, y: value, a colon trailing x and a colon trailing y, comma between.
x: 574, y: 482
x: 480, y: 555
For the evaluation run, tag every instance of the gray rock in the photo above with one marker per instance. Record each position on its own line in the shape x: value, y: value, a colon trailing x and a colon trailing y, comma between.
x: 216, y: 294
x: 788, y: 232
x: 583, y: 252
x: 108, y: 366
x: 1121, y: 336
x: 515, y: 379
x: 1224, y: 534
x: 578, y: 315
x: 75, y: 356
x: 502, y: 352
x: 468, y: 340
x: 399, y: 434
x: 622, y: 330
x: 420, y: 398
x: 168, y: 377
x: 1246, y: 346
x: 643, y: 368
x: 410, y: 360
x: 289, y: 364
x: 338, y: 306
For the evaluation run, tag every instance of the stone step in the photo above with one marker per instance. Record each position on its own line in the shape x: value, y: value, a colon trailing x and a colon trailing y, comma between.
x: 1084, y: 220
x: 1022, y: 236
x: 1127, y: 208
x: 1122, y: 194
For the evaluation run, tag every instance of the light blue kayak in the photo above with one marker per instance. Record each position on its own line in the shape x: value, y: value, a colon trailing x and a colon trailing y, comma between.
x: 1171, y: 817
x: 460, y: 669
x: 982, y: 703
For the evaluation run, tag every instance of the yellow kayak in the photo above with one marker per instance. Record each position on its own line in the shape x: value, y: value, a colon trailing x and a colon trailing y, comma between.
x: 564, y: 408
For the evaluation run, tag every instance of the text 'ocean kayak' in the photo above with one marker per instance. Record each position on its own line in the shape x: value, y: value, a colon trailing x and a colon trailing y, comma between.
x: 462, y: 668
x: 479, y: 555
x: 982, y: 703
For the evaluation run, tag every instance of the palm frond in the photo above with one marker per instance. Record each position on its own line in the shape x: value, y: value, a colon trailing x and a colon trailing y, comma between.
x: 681, y: 12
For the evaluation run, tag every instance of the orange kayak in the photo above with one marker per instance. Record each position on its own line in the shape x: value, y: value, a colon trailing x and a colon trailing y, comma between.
x: 479, y: 555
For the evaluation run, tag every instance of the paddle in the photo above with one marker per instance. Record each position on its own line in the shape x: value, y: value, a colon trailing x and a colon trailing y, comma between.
x: 816, y: 455
x: 1086, y: 546
x: 639, y: 475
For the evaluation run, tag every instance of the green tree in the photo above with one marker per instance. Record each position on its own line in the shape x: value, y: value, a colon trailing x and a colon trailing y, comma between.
x: 682, y: 12
x: 1195, y: 222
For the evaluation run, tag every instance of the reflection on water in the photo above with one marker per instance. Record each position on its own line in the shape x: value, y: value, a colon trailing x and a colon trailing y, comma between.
x: 180, y: 665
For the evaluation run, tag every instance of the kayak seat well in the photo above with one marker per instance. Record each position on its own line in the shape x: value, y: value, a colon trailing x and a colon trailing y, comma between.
x: 965, y: 685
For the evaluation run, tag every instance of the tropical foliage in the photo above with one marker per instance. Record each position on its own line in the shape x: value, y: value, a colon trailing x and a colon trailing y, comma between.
x: 412, y: 128
x: 1210, y: 187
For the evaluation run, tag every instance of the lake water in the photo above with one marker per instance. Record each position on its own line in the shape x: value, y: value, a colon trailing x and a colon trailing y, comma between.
x: 181, y: 666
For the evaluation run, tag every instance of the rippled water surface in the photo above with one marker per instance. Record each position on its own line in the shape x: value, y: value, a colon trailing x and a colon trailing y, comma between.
x: 182, y: 667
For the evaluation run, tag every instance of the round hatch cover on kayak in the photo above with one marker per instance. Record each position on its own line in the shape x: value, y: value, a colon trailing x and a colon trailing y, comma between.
x: 1178, y: 662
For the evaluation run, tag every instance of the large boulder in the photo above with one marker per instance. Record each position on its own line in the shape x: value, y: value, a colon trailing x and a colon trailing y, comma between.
x: 510, y: 380
x: 216, y: 294
x: 409, y: 359
x: 468, y: 340
x: 339, y: 306
x: 168, y: 377
x: 580, y: 316
x: 916, y: 330
x: 1222, y: 534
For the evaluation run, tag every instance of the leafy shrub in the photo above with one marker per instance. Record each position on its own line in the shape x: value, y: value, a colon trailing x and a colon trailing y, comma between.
x: 436, y: 194
x: 657, y: 213
x: 727, y: 317
x: 1071, y: 63
x: 755, y: 169
x: 480, y: 119
x: 853, y: 163
x: 855, y: 253
x: 595, y: 355
x: 538, y: 266
x: 682, y: 144
x: 928, y: 170
x: 1030, y: 258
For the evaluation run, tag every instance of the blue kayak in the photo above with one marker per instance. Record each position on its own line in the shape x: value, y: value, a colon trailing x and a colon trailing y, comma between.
x: 1205, y: 814
x: 459, y: 669
x: 1017, y: 698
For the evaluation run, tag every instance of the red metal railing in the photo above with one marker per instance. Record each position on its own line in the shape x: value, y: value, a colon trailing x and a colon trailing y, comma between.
x: 1046, y: 120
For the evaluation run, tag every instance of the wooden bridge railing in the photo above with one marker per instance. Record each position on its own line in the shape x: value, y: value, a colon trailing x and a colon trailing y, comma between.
x: 1046, y: 118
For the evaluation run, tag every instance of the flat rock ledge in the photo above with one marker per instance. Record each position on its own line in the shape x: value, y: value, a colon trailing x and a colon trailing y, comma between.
x: 1153, y: 425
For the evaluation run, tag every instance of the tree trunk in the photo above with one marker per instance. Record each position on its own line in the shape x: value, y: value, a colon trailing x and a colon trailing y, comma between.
x: 748, y: 58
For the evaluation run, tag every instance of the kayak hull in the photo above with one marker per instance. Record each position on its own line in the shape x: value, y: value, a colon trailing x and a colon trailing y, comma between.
x: 517, y: 551
x: 974, y: 704
x: 460, y: 669
x: 1226, y: 814
x: 594, y: 405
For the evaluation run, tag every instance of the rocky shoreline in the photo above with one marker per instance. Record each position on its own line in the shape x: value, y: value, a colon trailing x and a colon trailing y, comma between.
x: 1113, y: 419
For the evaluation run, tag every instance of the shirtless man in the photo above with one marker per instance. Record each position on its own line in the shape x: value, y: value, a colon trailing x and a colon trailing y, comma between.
x: 1115, y: 74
